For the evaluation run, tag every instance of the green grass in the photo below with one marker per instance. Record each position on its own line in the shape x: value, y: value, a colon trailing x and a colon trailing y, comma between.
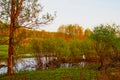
x: 75, y: 73
x: 3, y: 50
x: 20, y: 51
x: 4, y: 47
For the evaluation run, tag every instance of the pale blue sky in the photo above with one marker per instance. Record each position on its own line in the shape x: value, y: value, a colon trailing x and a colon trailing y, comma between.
x: 87, y: 13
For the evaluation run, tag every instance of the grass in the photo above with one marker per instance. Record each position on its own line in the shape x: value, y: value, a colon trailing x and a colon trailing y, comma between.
x: 52, y: 74
x: 22, y: 52
x: 3, y: 50
x: 87, y: 72
x: 75, y: 73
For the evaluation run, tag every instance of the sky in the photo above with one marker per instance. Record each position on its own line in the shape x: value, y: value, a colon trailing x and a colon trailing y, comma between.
x: 86, y: 13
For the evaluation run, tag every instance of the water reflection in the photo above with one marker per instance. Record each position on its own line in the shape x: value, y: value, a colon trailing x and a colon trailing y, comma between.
x: 24, y: 64
x: 31, y: 63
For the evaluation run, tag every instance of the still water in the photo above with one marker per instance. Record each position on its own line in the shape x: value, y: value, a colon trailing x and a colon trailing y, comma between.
x: 30, y: 64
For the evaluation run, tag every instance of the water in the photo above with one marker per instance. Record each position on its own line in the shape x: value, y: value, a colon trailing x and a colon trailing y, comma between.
x: 30, y: 64
x: 24, y: 64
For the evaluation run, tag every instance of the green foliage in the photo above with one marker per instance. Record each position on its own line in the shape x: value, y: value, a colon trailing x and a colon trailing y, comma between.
x: 75, y: 46
x: 4, y: 33
x: 36, y: 45
x: 3, y: 25
x: 106, y: 39
x: 50, y: 46
x: 78, y: 47
x: 62, y: 47
x: 23, y: 49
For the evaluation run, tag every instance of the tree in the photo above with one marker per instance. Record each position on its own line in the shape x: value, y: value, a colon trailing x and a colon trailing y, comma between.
x: 106, y: 42
x: 62, y: 32
x: 71, y: 30
x: 75, y: 47
x: 20, y: 13
x: 61, y: 29
x: 49, y: 46
x: 87, y: 33
x: 37, y: 48
x: 78, y: 49
x: 61, y: 48
x: 4, y: 33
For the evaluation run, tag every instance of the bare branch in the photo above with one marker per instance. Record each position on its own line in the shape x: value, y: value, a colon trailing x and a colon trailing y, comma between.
x: 19, y: 8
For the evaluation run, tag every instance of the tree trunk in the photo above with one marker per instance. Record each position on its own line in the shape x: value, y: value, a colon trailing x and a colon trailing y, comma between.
x: 10, y: 55
x: 11, y: 40
x: 101, y: 64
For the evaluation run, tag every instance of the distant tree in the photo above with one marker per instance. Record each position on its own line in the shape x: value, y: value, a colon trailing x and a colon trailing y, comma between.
x: 75, y: 47
x: 62, y: 32
x: 4, y: 33
x: 48, y: 46
x: 43, y: 33
x: 87, y: 33
x: 20, y: 13
x: 71, y: 30
x: 61, y: 48
x: 61, y: 29
x: 78, y: 49
x: 37, y: 48
x: 78, y: 31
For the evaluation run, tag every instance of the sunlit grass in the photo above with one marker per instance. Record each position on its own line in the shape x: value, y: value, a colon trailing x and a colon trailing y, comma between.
x: 3, y: 50
x: 4, y: 47
x: 50, y: 74
x: 20, y: 52
x: 74, y: 73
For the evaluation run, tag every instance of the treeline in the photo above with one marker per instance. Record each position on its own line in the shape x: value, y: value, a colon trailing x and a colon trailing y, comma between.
x: 25, y: 35
x: 64, y: 31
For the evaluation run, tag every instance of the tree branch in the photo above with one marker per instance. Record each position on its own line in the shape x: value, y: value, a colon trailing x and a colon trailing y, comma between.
x: 19, y: 7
